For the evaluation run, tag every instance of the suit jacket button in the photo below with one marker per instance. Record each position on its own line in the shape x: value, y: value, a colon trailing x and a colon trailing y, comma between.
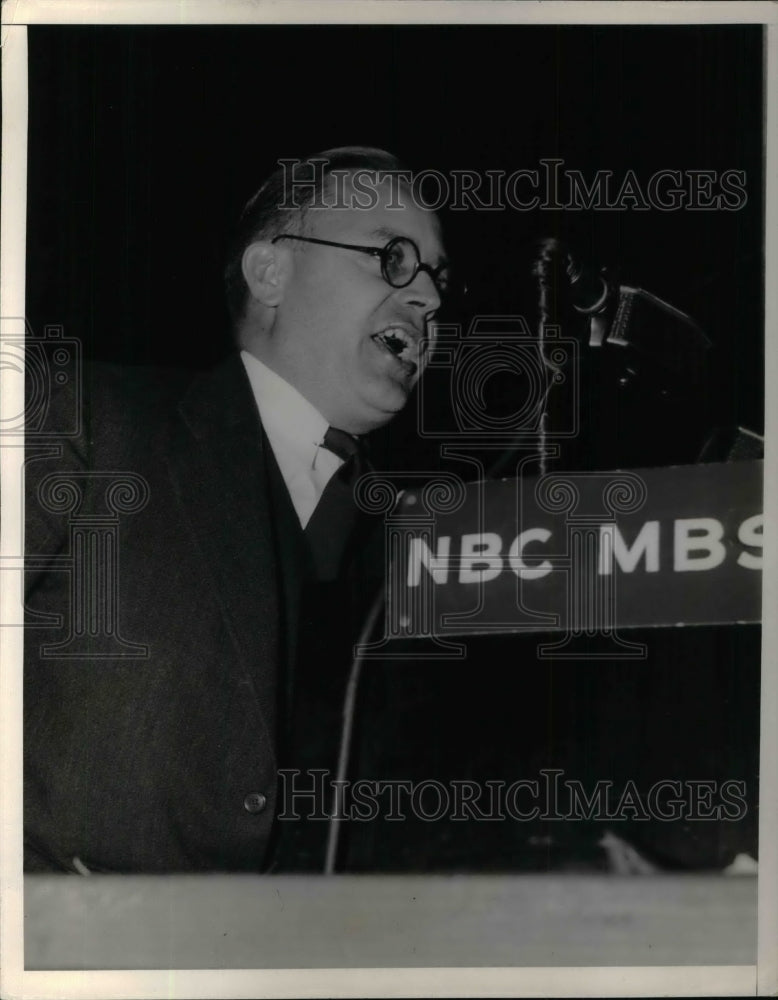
x: 255, y: 802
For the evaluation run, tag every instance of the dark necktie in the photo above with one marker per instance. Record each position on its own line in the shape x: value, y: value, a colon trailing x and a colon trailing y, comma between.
x: 333, y: 521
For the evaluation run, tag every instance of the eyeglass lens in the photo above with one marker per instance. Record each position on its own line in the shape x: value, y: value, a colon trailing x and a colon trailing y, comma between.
x: 401, y: 262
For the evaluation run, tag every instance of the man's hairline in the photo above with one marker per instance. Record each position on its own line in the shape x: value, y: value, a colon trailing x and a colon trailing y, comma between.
x: 297, y: 223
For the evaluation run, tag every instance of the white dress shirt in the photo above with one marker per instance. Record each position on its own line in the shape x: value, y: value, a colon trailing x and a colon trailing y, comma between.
x: 295, y: 430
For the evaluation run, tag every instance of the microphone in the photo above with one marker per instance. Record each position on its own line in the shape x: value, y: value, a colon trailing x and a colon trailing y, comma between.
x: 590, y: 293
x: 644, y: 364
x: 620, y: 315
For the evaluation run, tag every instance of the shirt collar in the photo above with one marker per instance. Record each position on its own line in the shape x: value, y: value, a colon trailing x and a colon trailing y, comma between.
x: 290, y: 421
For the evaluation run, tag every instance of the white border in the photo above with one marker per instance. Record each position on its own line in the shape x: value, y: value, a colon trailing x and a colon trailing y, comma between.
x: 385, y: 12
x: 693, y: 981
x: 13, y: 226
x: 603, y: 981
x: 767, y: 950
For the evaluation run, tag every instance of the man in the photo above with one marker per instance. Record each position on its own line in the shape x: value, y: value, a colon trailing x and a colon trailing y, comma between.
x: 155, y: 722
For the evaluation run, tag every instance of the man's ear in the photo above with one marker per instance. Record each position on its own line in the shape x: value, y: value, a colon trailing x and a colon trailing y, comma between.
x: 265, y: 269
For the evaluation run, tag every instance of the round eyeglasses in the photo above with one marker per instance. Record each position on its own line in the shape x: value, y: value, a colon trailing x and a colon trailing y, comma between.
x: 400, y: 261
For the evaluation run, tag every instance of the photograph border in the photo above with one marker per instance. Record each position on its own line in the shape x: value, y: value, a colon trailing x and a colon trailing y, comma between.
x: 761, y: 979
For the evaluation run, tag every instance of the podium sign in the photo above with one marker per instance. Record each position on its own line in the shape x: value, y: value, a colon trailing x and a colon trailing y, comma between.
x: 581, y: 552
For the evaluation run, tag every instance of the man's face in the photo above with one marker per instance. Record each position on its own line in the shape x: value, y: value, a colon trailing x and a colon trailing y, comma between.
x: 330, y: 334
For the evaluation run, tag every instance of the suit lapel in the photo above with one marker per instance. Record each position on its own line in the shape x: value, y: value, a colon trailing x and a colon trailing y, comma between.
x: 219, y: 474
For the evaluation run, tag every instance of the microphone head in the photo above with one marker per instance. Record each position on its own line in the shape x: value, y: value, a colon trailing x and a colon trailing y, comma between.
x: 588, y: 290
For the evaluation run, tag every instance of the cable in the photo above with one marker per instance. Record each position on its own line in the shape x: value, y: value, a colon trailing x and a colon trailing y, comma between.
x: 347, y: 728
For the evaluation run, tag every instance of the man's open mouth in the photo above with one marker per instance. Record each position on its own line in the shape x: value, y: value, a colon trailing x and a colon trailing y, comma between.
x: 402, y: 345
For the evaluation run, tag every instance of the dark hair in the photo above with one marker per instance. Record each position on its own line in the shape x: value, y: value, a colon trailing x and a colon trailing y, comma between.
x: 277, y: 209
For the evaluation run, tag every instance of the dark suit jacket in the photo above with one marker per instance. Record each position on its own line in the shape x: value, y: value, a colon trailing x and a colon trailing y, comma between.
x: 147, y: 764
x: 163, y: 762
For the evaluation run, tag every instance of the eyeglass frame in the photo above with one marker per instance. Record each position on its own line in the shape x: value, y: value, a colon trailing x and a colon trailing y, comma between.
x: 381, y: 253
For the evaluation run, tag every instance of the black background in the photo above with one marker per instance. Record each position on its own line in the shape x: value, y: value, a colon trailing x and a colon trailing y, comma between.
x: 144, y: 143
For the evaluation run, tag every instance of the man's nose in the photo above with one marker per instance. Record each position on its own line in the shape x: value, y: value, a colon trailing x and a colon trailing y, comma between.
x: 422, y: 293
